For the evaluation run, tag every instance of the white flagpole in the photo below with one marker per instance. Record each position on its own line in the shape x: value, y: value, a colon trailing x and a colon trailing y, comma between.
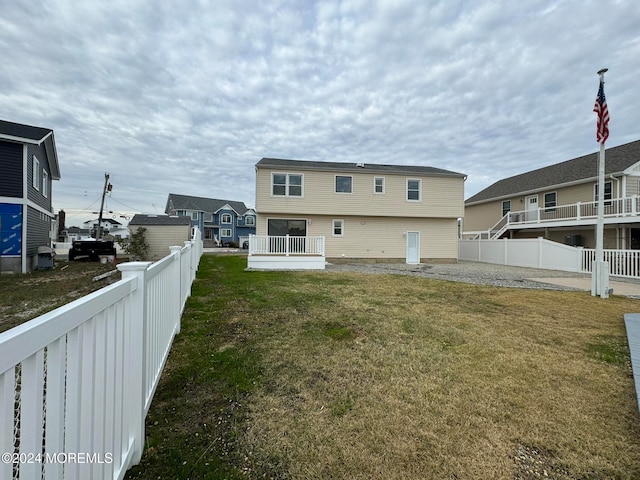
x: 600, y: 268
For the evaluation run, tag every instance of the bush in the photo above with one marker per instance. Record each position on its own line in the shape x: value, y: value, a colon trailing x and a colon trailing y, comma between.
x: 136, y: 245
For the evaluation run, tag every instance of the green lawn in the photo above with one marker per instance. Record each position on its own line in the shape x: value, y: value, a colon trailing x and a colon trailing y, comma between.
x: 317, y: 375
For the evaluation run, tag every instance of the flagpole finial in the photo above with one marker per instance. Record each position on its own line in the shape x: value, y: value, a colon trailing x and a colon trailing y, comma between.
x: 602, y: 71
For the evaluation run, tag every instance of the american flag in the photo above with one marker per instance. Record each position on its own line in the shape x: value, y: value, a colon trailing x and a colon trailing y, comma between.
x: 601, y: 109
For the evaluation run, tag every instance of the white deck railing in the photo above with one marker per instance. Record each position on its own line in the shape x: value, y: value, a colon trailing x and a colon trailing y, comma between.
x: 622, y: 263
x: 76, y: 383
x: 285, y: 245
x: 563, y: 214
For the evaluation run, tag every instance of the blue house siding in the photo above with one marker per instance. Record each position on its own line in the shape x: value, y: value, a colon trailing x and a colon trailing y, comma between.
x: 11, y: 161
x: 36, y: 195
x: 211, y: 213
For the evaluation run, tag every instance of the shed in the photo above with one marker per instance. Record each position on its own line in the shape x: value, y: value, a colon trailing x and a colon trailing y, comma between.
x: 162, y: 232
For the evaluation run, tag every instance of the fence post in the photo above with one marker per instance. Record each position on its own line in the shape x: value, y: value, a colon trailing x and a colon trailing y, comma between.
x: 178, y: 274
x: 136, y: 353
x: 505, y: 258
x: 539, y: 252
x: 286, y: 246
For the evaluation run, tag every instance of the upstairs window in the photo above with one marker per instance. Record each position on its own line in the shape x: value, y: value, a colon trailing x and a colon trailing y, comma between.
x: 413, y: 190
x: 194, y: 215
x: 286, y: 185
x: 378, y: 185
x: 250, y: 220
x: 608, y: 193
x: 36, y: 173
x: 226, y: 218
x: 45, y: 184
x: 550, y: 202
x: 344, y: 184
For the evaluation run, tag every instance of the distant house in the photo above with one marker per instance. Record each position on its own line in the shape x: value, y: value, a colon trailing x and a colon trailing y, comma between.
x: 29, y: 165
x: 560, y: 202
x: 221, y: 221
x: 77, y: 233
x: 162, y: 232
x: 364, y: 211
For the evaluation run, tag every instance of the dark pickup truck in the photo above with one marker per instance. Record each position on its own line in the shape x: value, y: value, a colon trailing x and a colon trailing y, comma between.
x: 91, y: 250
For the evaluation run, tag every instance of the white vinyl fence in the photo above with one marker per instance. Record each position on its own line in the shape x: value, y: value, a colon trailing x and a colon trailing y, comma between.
x: 76, y: 383
x: 541, y: 253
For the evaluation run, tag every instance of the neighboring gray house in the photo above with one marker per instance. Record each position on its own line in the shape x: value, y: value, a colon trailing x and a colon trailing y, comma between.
x: 29, y: 165
x: 162, y: 232
x: 220, y: 221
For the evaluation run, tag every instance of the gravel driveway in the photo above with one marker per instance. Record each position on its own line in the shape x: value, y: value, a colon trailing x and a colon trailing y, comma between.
x: 468, y: 272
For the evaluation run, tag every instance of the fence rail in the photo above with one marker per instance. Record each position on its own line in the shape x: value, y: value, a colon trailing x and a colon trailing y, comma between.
x: 541, y: 253
x: 77, y: 382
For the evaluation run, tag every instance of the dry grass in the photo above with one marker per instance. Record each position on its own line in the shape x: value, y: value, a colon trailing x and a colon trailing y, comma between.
x: 389, y: 377
x: 25, y: 296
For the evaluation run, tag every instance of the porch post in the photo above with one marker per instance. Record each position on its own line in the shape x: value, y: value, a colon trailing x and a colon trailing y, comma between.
x: 286, y: 245
x: 578, y: 210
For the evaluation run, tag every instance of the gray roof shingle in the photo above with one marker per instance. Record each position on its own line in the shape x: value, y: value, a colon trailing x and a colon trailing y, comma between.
x: 354, y: 167
x: 142, y: 219
x: 201, y: 204
x: 617, y: 159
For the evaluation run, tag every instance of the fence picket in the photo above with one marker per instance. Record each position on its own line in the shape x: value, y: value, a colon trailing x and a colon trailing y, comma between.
x: 82, y: 376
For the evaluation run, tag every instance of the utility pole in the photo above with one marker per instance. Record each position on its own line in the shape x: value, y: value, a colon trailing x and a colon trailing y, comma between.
x: 107, y: 188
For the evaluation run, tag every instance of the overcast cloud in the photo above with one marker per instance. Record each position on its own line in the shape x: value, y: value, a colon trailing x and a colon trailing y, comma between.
x: 186, y: 96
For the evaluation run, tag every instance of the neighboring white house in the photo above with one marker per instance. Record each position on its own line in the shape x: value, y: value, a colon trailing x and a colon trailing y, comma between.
x: 162, y: 232
x: 364, y: 212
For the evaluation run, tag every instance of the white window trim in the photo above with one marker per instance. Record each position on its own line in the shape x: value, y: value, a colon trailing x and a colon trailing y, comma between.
x: 36, y: 173
x: 222, y: 217
x: 226, y: 231
x: 45, y: 184
x: 374, y: 185
x: 333, y: 227
x: 194, y: 215
x: 287, y: 185
x: 419, y: 180
x: 248, y: 223
x: 335, y: 184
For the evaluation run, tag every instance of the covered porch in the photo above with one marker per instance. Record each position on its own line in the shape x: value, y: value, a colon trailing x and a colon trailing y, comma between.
x: 286, y: 252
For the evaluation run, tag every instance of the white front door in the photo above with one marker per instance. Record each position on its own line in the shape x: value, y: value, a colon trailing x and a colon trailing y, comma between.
x: 531, y: 206
x: 413, y: 247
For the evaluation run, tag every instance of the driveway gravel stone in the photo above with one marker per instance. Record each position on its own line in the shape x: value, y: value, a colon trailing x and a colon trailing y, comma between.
x: 470, y: 272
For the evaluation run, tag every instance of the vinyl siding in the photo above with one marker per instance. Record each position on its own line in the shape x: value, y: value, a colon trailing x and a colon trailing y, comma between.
x: 38, y: 229
x: 441, y: 197
x: 161, y: 237
x: 11, y: 169
x: 34, y: 195
x: 485, y: 215
x: 367, y: 237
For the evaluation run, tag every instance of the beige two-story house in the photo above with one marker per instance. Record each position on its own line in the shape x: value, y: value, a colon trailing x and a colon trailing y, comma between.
x: 560, y: 202
x: 364, y: 211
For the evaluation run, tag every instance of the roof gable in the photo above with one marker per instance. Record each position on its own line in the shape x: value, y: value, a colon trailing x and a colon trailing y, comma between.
x: 354, y: 167
x: 18, y: 132
x: 201, y: 204
x: 617, y: 160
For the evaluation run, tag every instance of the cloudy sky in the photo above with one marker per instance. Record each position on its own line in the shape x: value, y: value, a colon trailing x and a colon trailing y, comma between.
x: 185, y: 96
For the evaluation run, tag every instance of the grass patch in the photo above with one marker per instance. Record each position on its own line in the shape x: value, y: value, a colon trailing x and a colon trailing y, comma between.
x: 314, y: 375
x: 26, y: 296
